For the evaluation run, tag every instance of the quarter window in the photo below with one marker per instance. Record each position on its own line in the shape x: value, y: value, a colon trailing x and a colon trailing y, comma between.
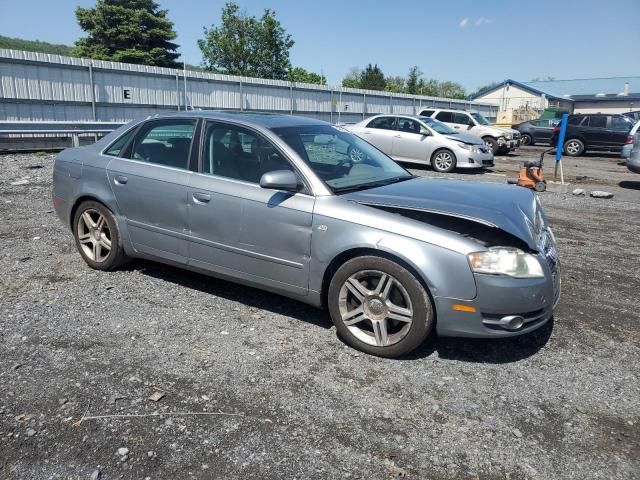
x: 117, y: 146
x: 445, y: 117
x: 575, y: 121
x: 165, y: 143
x: 621, y: 124
x: 384, y: 123
x: 427, y: 113
x: 236, y: 152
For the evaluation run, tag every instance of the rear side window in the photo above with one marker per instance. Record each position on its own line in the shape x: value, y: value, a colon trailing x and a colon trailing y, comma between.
x: 384, y: 123
x: 166, y: 142
x: 445, y: 117
x: 575, y: 120
x: 117, y: 146
x: 597, y: 121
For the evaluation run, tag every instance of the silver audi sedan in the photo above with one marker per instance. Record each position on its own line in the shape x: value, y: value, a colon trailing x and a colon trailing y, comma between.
x: 276, y: 202
x: 411, y: 138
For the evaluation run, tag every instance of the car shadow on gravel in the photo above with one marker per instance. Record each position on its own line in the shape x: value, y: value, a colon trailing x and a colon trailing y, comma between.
x: 496, y: 351
x: 629, y: 185
x: 250, y: 297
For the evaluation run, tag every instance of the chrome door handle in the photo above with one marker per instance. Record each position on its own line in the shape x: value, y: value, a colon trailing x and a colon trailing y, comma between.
x: 367, y: 133
x: 397, y: 136
x: 201, y: 197
x: 120, y: 179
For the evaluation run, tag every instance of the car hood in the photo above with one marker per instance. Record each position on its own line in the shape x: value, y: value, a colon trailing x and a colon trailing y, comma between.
x: 465, y: 138
x: 510, y: 208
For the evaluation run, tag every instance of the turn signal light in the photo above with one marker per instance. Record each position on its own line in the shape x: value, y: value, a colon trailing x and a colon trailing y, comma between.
x: 463, y: 308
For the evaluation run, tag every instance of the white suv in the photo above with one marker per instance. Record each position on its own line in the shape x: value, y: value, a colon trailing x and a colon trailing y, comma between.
x: 500, y: 140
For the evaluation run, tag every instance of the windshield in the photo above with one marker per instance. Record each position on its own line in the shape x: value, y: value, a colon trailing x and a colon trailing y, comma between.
x: 437, y: 125
x: 342, y: 160
x: 480, y: 119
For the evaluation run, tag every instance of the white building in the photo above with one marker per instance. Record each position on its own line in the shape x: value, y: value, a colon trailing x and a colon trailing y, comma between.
x: 610, y: 95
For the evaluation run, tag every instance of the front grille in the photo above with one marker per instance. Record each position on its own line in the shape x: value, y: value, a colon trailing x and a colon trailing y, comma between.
x: 487, y: 162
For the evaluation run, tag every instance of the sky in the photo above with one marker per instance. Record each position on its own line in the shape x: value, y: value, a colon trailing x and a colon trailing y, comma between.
x: 465, y: 41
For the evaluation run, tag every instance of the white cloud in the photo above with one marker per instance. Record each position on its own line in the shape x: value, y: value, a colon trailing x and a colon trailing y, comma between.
x: 463, y: 23
x: 482, y: 21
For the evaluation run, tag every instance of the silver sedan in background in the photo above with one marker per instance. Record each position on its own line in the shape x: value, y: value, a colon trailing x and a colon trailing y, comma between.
x: 411, y: 138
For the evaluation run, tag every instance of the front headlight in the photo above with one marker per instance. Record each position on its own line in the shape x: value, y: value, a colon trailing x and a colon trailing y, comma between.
x: 506, y: 261
x: 466, y: 146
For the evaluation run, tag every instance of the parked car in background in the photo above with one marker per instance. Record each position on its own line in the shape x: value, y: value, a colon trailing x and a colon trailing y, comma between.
x: 536, y: 131
x: 500, y: 140
x: 627, y: 147
x: 635, y: 115
x: 594, y: 132
x: 410, y: 138
x: 631, y: 152
x: 275, y: 202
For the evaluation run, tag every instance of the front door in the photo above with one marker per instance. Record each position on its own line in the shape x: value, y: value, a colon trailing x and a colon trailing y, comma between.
x: 238, y: 228
x: 151, y: 187
x: 409, y: 144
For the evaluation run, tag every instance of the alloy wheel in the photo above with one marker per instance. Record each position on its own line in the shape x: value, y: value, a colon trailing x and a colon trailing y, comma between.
x: 443, y: 161
x: 94, y: 235
x: 573, y: 148
x: 376, y: 308
x: 356, y: 155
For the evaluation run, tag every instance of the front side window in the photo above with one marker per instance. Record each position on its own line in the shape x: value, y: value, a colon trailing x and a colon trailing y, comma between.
x: 480, y: 119
x: 384, y: 123
x: 408, y: 125
x: 235, y: 152
x: 462, y: 118
x: 342, y: 160
x: 166, y: 142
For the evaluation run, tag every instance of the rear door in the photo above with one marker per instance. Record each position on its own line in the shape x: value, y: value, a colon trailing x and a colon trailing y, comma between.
x: 618, y: 129
x: 409, y: 144
x: 150, y: 183
x: 380, y: 132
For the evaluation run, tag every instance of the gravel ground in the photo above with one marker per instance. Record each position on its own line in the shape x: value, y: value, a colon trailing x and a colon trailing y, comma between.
x: 286, y: 398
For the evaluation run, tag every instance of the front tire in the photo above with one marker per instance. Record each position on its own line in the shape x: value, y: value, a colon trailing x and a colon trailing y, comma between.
x: 492, y: 144
x: 526, y: 139
x: 379, y: 307
x: 356, y: 155
x: 97, y: 236
x: 443, y: 161
x: 573, y: 147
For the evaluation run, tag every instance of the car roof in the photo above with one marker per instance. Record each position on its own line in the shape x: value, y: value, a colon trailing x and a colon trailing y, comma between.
x: 449, y: 110
x: 265, y: 120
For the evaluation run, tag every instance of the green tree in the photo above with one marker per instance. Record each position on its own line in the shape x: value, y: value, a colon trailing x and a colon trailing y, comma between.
x: 372, y: 78
x: 34, y: 46
x: 132, y: 31
x: 483, y: 87
x: 352, y: 79
x: 451, y: 90
x: 395, y: 84
x: 413, y: 80
x: 299, y: 74
x: 246, y: 45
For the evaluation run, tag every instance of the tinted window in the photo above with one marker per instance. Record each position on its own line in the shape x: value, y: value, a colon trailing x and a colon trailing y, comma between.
x: 117, y: 146
x: 540, y: 123
x: 235, y: 152
x: 597, y: 121
x: 166, y: 142
x: 445, y: 116
x: 385, y: 123
x: 574, y: 120
x: 427, y: 113
x: 408, y: 125
x: 462, y: 118
x: 621, y: 124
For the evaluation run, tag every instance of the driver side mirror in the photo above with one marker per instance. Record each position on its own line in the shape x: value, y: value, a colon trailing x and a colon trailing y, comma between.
x: 424, y: 131
x: 280, y: 180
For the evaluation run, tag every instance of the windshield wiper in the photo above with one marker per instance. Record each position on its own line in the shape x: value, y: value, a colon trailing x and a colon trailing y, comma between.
x: 379, y: 183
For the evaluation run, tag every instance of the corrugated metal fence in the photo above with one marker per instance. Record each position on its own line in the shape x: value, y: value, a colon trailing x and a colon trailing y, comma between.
x: 38, y: 86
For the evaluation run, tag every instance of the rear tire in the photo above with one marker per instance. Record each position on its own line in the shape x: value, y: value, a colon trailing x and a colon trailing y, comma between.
x: 443, y: 160
x: 356, y: 155
x: 379, y: 307
x: 97, y: 237
x: 573, y: 147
